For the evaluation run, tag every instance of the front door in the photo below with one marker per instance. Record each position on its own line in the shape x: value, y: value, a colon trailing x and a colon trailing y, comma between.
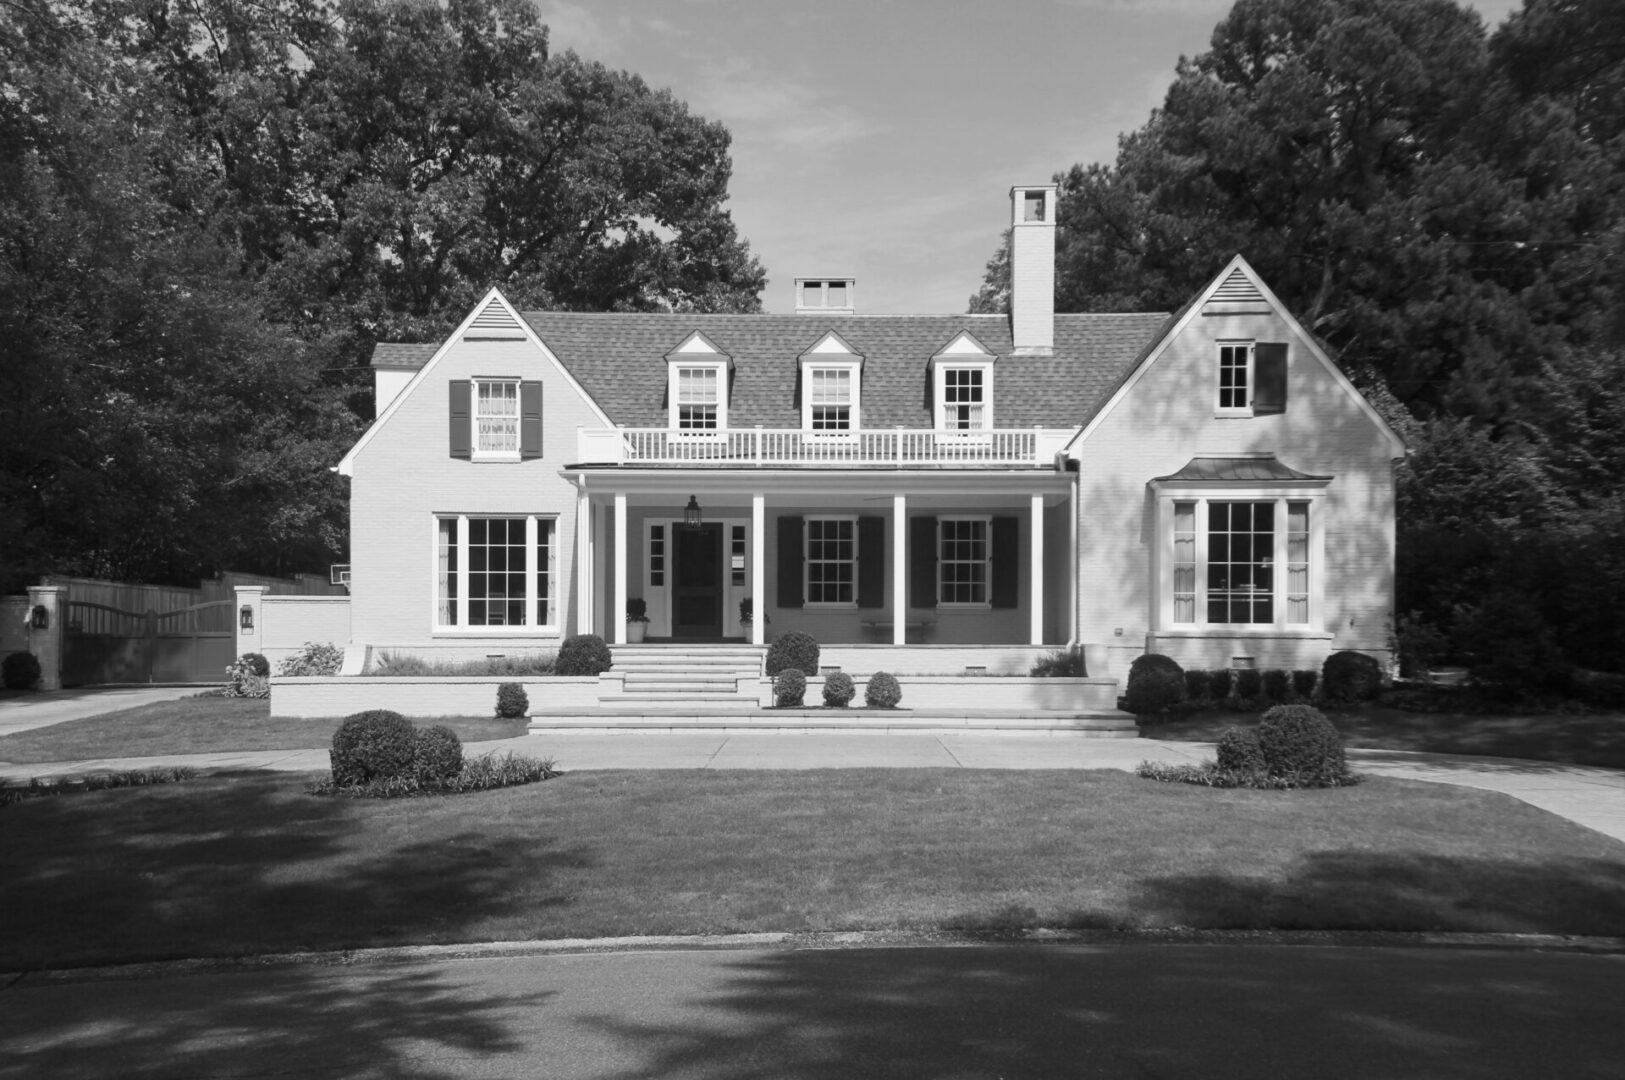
x: 697, y: 602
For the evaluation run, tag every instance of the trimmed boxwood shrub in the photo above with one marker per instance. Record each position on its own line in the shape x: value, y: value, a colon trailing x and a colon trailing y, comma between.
x: 883, y: 691
x: 373, y: 745
x: 20, y: 671
x: 1351, y: 676
x: 1278, y: 686
x: 1304, y: 682
x: 1196, y: 685
x: 839, y: 689
x: 437, y: 755
x: 1300, y: 744
x: 1249, y: 684
x: 512, y: 701
x: 1239, y: 751
x: 1155, y: 684
x: 1219, y: 684
x: 793, y: 650
x: 789, y: 688
x: 583, y: 654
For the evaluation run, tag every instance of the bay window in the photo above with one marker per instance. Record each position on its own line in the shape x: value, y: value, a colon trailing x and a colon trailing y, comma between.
x: 1240, y: 559
x: 494, y: 573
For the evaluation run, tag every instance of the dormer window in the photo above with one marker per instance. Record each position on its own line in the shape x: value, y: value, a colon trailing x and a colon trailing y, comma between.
x: 963, y: 374
x: 824, y: 295
x: 697, y: 386
x: 831, y: 384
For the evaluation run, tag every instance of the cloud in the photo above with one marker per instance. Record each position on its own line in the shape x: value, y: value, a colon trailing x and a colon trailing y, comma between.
x: 776, y: 110
x: 573, y: 26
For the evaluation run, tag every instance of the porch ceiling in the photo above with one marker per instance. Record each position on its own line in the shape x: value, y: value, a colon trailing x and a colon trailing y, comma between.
x: 647, y: 487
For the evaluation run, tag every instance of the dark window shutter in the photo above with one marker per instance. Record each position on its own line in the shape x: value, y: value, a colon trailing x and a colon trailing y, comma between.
x: 461, y: 437
x: 792, y: 540
x: 871, y: 562
x: 530, y: 419
x: 1006, y: 562
x: 1269, y: 377
x: 922, y: 562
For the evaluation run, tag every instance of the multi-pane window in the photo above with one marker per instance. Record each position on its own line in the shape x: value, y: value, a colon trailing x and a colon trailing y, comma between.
x: 963, y: 399
x: 1184, y: 562
x: 832, y: 566
x: 736, y: 554
x: 698, y: 395
x: 1297, y: 562
x: 830, y: 399
x: 494, y: 571
x: 962, y: 560
x: 496, y: 417
x: 1235, y: 363
x: 657, y: 555
x: 1241, y: 562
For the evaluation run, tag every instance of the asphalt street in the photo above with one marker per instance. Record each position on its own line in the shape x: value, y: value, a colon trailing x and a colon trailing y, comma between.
x: 1020, y: 1010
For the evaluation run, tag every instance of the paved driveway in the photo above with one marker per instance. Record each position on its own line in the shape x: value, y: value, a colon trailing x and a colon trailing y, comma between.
x: 57, y: 706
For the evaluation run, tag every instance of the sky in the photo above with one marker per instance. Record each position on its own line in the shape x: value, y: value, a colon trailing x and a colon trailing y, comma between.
x: 879, y: 139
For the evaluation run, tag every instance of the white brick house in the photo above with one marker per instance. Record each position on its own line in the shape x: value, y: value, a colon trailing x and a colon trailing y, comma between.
x: 965, y: 488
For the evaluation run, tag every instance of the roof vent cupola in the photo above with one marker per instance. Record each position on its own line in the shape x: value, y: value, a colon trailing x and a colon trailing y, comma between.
x: 825, y: 296
x: 1032, y: 269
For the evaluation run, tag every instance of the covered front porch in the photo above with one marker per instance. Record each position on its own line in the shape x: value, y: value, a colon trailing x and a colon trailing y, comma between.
x: 931, y: 561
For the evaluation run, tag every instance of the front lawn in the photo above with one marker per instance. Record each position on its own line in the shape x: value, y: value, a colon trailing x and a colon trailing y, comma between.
x: 201, y: 725
x: 1573, y: 738
x: 248, y: 863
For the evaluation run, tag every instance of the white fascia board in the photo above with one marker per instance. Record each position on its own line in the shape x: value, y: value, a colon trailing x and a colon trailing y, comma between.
x: 1396, y: 444
x: 346, y: 465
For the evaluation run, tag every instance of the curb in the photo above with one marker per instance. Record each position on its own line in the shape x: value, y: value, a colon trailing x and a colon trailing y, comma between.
x: 824, y: 941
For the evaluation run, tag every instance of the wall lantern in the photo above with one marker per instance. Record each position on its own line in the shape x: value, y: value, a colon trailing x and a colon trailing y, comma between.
x: 245, y: 617
x: 691, y: 514
x: 39, y: 618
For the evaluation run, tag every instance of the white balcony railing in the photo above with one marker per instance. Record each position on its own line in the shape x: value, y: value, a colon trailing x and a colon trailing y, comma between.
x: 781, y: 447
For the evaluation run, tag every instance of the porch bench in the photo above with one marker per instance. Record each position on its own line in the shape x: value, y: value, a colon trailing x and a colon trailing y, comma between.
x: 879, y: 625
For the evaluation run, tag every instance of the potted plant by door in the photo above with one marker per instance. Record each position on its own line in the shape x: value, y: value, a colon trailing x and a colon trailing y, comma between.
x: 746, y: 613
x: 637, y: 619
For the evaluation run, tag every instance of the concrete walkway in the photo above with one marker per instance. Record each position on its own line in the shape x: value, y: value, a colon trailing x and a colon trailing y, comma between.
x: 1593, y: 797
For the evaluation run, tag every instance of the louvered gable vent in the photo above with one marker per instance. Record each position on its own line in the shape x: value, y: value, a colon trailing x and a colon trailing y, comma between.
x: 1238, y: 288
x: 494, y: 321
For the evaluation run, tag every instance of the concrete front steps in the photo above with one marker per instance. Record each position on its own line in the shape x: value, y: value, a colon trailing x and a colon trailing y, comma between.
x: 757, y: 720
x: 660, y: 678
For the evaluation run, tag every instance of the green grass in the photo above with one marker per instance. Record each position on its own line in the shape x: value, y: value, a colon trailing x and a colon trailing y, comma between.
x: 247, y: 863
x: 201, y: 725
x: 1572, y: 738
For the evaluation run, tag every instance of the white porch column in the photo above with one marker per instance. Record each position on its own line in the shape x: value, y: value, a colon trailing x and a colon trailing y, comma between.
x: 583, y: 562
x: 618, y: 614
x: 1036, y: 573
x: 1073, y: 555
x: 758, y: 575
x: 899, y: 570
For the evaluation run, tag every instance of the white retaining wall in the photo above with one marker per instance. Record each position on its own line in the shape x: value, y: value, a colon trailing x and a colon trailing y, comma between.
x: 340, y: 695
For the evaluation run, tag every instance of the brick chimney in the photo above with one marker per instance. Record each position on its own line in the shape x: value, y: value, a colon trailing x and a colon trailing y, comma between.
x: 1032, y: 269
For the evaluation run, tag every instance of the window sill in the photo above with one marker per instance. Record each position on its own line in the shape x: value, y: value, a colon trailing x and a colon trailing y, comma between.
x: 1233, y: 414
x: 967, y: 607
x: 490, y: 459
x: 816, y: 605
x: 496, y: 631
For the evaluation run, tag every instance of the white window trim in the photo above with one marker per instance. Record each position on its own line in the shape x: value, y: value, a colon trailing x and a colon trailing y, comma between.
x: 854, y: 369
x: 806, y: 564
x: 720, y: 366
x: 940, y: 368
x: 985, y: 604
x: 1235, y: 412
x: 534, y: 614
x: 475, y: 453
x: 1163, y: 562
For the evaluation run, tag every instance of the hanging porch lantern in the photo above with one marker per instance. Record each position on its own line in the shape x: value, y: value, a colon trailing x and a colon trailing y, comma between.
x: 692, y: 518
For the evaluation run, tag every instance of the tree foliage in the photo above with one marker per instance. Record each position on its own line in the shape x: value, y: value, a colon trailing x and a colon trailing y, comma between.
x: 1445, y: 210
x: 211, y: 210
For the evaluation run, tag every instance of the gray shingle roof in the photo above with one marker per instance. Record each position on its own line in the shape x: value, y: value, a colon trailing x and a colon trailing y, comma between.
x: 1255, y: 467
x: 396, y: 354
x: 619, y: 359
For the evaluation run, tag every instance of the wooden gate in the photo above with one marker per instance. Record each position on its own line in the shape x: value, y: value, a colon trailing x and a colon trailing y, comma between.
x: 102, y: 644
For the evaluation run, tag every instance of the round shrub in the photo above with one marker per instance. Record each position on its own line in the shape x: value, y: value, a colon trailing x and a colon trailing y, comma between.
x: 437, y: 755
x: 793, y: 650
x: 1249, y: 684
x: 1299, y: 743
x: 512, y: 701
x: 20, y: 671
x: 789, y: 688
x: 1155, y: 683
x: 839, y: 689
x: 583, y: 654
x: 373, y: 745
x: 1351, y: 676
x: 255, y: 664
x: 1239, y: 751
x: 883, y: 691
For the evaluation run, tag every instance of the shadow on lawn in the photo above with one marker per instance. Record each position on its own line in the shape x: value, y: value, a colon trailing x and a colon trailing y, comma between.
x: 247, y: 863
x: 1212, y: 1011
